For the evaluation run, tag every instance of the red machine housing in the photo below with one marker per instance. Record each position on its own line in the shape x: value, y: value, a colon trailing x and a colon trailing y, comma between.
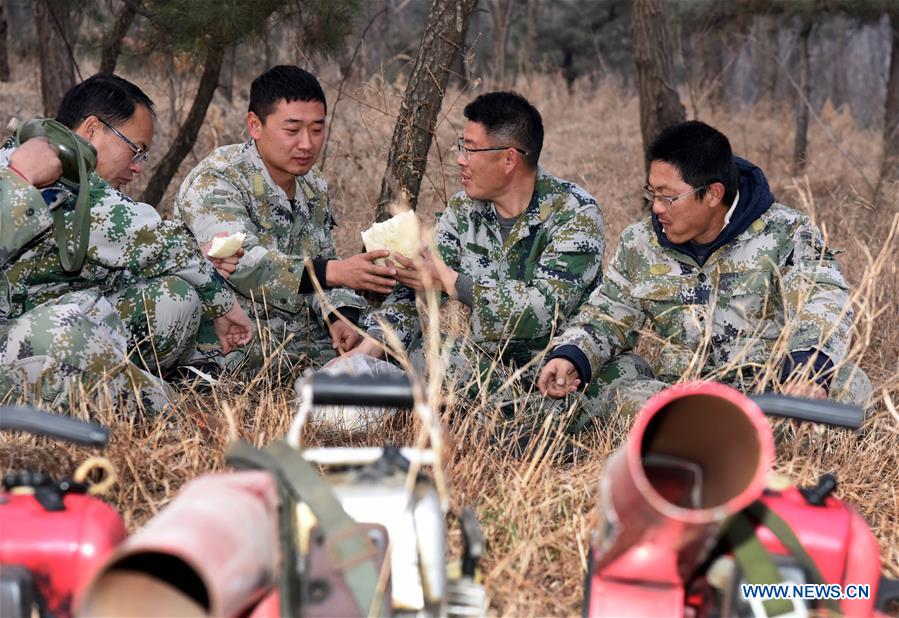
x: 836, y: 537
x: 698, y: 454
x: 61, y: 549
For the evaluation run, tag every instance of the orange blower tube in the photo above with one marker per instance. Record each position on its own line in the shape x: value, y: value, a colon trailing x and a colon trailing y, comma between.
x: 212, y: 552
x: 698, y: 453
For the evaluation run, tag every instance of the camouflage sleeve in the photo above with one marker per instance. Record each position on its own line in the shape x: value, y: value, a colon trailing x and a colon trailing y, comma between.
x: 23, y: 214
x: 815, y: 295
x: 337, y: 298
x: 530, y: 306
x: 212, y: 204
x: 607, y: 323
x: 131, y: 236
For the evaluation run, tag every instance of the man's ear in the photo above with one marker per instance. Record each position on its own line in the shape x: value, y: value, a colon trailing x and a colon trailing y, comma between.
x: 511, y: 161
x: 254, y: 125
x: 88, y: 127
x: 716, y: 194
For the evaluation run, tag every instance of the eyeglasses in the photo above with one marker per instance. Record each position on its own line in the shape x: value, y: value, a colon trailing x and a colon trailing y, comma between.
x: 140, y: 155
x: 667, y: 200
x: 466, y: 151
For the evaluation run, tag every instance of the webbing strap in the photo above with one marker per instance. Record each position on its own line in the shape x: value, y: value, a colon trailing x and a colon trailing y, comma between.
x: 72, y: 261
x: 781, y: 529
x: 350, y: 545
x: 755, y: 561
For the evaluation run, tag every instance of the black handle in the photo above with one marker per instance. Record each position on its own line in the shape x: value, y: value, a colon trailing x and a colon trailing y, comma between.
x: 367, y: 390
x: 887, y: 593
x: 87, y: 433
x: 473, y: 544
x: 814, y: 410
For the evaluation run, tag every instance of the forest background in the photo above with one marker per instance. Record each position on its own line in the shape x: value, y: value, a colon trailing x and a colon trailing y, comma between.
x: 807, y: 89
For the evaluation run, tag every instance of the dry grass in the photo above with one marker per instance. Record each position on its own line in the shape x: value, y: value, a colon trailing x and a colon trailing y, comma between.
x: 536, y: 512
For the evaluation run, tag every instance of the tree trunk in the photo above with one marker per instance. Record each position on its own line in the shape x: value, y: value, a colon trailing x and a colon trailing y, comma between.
x: 443, y: 34
x: 376, y: 48
x: 660, y: 105
x: 54, y: 41
x: 187, y: 134
x: 501, y: 11
x: 529, y: 60
x: 226, y: 81
x: 4, y: 44
x: 112, y: 42
x: 767, y: 56
x: 890, y: 170
x: 800, y: 145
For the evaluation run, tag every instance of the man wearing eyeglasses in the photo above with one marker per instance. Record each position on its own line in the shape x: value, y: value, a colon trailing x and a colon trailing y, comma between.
x: 730, y: 285
x: 518, y: 247
x: 149, y: 272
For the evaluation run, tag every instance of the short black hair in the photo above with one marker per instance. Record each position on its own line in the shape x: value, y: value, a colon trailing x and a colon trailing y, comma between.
x: 287, y: 82
x: 701, y: 154
x: 104, y: 95
x: 511, y: 117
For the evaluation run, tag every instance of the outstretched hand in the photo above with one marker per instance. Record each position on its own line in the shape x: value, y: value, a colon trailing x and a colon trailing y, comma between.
x: 343, y: 336
x: 558, y: 379
x: 369, y: 347
x: 233, y: 328
x: 224, y: 266
x: 360, y: 273
x: 427, y: 272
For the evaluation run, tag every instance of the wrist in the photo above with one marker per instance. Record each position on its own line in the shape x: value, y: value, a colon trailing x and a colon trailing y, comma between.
x: 18, y: 172
x: 334, y: 273
x: 448, y: 278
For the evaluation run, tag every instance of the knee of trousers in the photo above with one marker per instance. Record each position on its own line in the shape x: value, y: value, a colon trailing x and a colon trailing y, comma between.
x: 168, y: 305
x: 172, y: 302
x: 852, y: 385
x: 62, y: 339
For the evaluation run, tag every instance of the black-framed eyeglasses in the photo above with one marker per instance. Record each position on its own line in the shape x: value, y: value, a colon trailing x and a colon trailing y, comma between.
x: 667, y: 200
x: 465, y: 151
x: 140, y: 155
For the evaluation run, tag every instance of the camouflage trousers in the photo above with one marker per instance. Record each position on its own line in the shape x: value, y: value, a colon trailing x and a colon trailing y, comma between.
x: 162, y: 315
x: 281, y: 342
x: 71, y: 345
x: 504, y: 388
x: 627, y: 382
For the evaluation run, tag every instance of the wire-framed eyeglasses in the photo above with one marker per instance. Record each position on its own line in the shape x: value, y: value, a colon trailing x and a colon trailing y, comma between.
x: 465, y: 151
x: 140, y: 155
x: 667, y: 200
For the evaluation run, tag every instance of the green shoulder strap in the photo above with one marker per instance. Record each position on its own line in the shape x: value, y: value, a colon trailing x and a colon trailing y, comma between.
x: 756, y: 561
x: 78, y: 160
x: 349, y: 542
x: 781, y: 529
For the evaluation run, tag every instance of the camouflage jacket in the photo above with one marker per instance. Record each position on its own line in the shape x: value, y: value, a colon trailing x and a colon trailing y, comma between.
x: 128, y: 242
x: 775, y: 280
x: 231, y: 191
x: 525, y: 287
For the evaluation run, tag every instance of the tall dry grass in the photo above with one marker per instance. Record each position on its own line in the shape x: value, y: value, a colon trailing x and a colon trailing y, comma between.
x: 536, y: 512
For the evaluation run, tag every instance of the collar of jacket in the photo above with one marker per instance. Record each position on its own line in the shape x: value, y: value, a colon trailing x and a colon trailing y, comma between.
x: 541, y: 206
x: 755, y: 199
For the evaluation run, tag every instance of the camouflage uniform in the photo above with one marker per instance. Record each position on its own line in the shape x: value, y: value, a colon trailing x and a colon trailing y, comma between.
x: 74, y: 340
x: 523, y: 288
x: 773, y: 290
x: 232, y: 191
